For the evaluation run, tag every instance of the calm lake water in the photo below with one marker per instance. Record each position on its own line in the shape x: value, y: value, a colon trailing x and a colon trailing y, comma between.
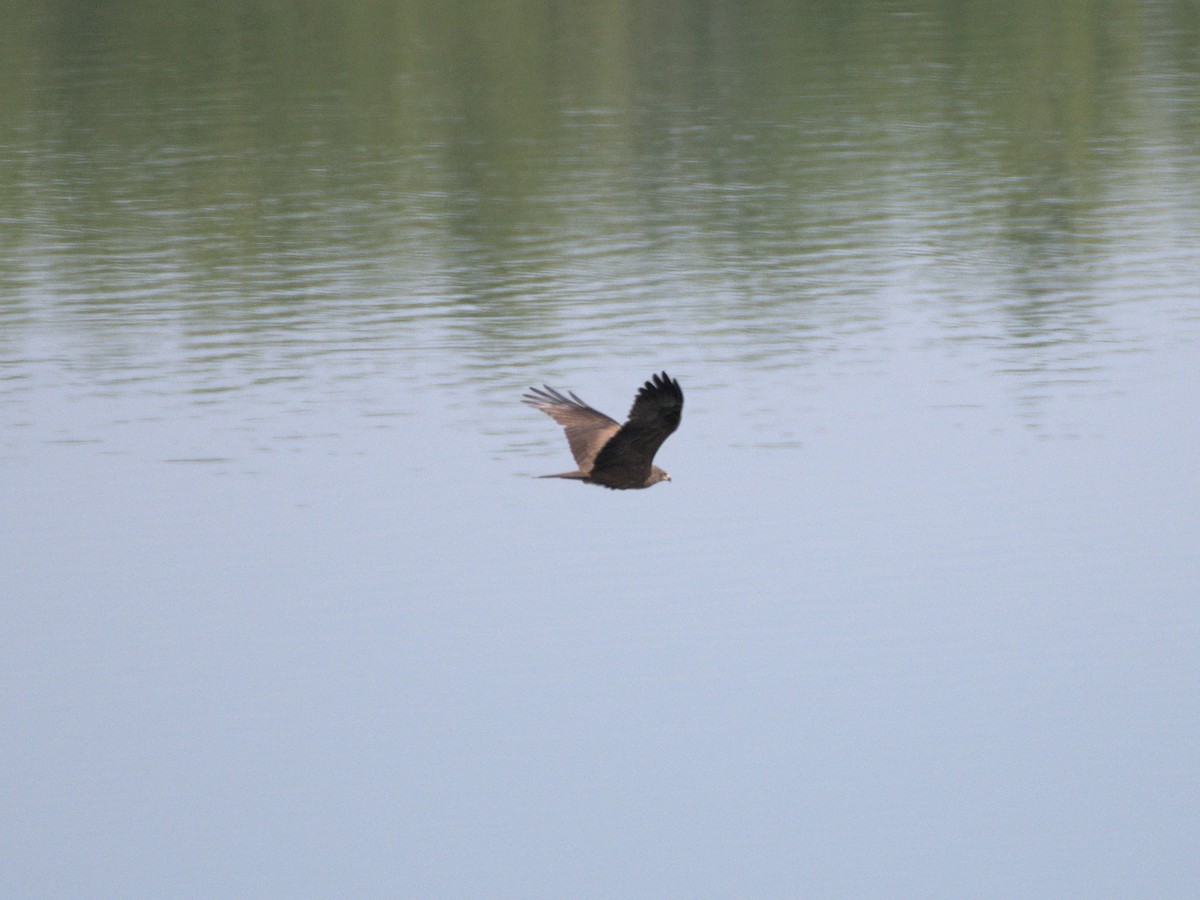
x: 284, y: 613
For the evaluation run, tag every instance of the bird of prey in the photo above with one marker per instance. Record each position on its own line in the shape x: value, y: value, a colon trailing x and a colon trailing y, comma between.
x: 616, y: 456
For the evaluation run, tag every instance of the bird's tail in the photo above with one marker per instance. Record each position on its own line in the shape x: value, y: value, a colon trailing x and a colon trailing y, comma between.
x: 579, y: 476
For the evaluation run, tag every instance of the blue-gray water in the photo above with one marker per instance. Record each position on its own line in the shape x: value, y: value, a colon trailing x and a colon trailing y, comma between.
x: 285, y: 612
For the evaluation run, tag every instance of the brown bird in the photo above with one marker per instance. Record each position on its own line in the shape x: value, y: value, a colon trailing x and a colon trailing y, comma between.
x: 616, y: 456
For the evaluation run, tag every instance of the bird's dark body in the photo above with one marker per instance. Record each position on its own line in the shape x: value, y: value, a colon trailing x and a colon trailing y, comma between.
x: 616, y: 456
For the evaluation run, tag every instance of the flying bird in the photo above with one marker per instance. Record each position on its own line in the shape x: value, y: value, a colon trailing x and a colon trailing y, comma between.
x: 608, y: 453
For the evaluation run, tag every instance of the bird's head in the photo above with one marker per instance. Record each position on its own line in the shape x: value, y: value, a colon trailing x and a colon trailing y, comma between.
x: 657, y: 475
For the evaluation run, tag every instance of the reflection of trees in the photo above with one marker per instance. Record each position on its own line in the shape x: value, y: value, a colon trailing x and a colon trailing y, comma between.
x: 527, y: 161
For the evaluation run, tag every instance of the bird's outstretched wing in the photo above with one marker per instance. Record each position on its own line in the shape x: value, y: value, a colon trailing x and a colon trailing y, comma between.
x: 588, y: 430
x: 655, y: 414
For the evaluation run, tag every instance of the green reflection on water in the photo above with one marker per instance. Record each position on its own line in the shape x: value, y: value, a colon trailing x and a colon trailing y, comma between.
x: 511, y: 163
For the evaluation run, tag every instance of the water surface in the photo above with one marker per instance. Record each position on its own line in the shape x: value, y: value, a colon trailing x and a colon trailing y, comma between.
x: 285, y: 612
